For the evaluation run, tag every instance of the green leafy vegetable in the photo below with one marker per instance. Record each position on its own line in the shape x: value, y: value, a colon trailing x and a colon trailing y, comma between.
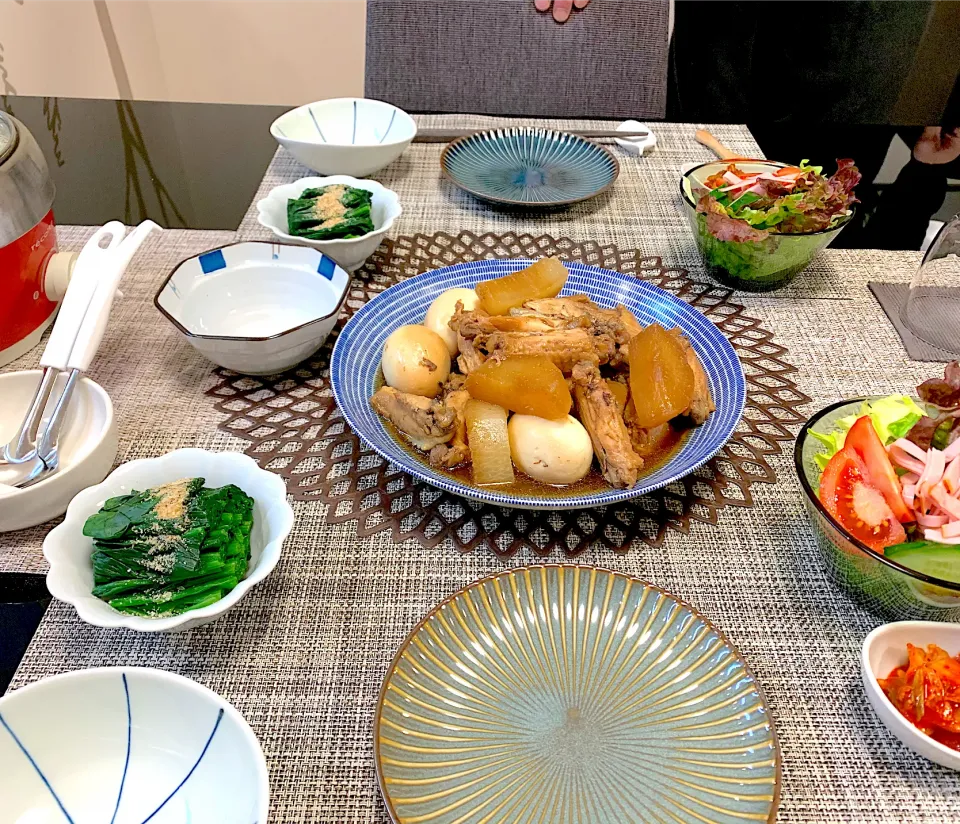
x: 802, y: 202
x: 330, y: 212
x: 171, y: 549
x: 893, y: 417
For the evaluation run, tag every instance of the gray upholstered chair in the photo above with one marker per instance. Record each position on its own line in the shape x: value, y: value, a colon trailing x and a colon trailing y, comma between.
x: 503, y: 57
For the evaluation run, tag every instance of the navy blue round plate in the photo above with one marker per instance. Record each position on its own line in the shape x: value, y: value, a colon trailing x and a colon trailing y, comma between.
x: 356, y: 362
x: 529, y: 167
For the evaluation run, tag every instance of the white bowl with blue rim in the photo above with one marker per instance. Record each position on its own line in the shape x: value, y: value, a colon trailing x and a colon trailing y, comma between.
x: 255, y: 307
x: 529, y: 167
x: 355, y: 369
x: 350, y: 253
x: 346, y: 135
x: 127, y: 745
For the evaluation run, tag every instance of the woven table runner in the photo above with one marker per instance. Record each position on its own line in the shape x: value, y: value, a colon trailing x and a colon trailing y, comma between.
x: 295, y: 429
x: 303, y: 656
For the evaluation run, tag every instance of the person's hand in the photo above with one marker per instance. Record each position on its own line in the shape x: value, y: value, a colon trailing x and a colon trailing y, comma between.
x: 561, y: 8
x: 937, y: 146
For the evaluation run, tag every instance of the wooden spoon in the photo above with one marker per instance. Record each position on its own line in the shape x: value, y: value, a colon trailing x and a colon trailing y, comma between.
x: 705, y: 138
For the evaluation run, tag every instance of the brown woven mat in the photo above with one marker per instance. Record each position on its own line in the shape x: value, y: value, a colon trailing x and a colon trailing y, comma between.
x: 295, y: 428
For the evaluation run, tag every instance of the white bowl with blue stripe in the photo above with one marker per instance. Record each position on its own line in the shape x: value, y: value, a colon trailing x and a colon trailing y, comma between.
x: 350, y: 252
x: 346, y: 135
x: 355, y: 365
x: 127, y: 745
x: 257, y: 308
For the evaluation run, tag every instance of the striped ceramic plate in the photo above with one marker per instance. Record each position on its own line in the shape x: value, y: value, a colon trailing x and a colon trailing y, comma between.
x: 356, y: 362
x: 574, y: 694
x: 529, y: 167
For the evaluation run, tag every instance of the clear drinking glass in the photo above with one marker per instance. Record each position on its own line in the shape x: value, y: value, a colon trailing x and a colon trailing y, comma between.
x: 932, y: 310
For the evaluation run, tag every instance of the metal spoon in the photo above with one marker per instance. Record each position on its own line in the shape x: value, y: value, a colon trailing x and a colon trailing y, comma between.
x: 45, y: 459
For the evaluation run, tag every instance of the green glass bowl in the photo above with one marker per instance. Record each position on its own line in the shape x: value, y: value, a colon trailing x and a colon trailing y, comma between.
x: 752, y: 267
x: 880, y: 584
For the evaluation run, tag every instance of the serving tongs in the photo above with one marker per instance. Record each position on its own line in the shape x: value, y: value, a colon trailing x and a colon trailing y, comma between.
x: 31, y: 454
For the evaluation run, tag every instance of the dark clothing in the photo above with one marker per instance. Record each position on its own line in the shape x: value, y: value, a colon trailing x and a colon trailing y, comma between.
x: 787, y: 62
x: 904, y: 208
x: 814, y: 80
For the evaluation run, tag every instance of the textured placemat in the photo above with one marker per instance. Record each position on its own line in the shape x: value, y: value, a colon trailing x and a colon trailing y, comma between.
x: 296, y: 430
x: 891, y: 297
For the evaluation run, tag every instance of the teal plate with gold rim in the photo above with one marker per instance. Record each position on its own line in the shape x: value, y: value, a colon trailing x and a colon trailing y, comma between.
x: 563, y: 693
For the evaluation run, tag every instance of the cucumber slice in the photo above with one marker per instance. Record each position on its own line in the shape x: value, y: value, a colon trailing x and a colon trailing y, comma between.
x: 937, y: 560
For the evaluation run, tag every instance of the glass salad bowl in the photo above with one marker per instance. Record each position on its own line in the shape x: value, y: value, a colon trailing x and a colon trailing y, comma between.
x: 751, y: 266
x: 880, y: 584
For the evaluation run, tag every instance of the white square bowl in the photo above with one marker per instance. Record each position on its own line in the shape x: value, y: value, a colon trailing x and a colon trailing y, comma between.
x: 68, y: 550
x: 885, y: 648
x: 257, y: 307
x: 350, y: 253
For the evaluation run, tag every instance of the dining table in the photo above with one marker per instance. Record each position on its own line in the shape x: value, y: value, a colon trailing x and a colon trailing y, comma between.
x: 304, y: 654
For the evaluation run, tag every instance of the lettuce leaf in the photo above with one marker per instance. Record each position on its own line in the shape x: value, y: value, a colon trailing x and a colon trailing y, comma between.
x: 815, y: 203
x: 893, y: 417
x: 724, y: 227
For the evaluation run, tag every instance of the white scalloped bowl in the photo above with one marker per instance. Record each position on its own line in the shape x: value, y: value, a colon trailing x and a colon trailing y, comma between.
x: 350, y: 252
x: 127, y: 745
x: 68, y: 551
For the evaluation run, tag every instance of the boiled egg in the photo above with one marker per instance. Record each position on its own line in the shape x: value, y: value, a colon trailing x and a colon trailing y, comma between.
x: 442, y: 310
x: 551, y: 451
x: 415, y: 360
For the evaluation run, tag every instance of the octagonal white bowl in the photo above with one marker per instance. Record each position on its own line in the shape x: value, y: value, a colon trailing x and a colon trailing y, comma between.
x: 255, y: 307
x: 126, y: 745
x: 345, y: 135
x: 68, y: 550
x: 350, y: 253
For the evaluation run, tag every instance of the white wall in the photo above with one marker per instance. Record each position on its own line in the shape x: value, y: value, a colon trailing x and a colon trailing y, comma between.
x: 275, y: 52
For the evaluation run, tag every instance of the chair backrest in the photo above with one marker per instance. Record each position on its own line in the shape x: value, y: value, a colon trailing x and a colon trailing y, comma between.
x: 504, y: 57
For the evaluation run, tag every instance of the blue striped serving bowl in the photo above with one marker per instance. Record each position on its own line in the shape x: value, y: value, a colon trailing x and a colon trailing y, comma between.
x: 529, y: 167
x: 355, y: 366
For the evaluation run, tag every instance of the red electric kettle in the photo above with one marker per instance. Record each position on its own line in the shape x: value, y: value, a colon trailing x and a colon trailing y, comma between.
x: 33, y: 275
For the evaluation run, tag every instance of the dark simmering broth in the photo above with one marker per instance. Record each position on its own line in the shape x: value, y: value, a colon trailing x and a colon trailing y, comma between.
x: 526, y: 486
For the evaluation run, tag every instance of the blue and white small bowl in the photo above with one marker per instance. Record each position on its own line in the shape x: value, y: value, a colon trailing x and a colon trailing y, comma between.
x: 529, y: 167
x: 355, y: 365
x: 127, y: 745
x: 255, y: 307
x: 350, y: 253
x: 346, y: 135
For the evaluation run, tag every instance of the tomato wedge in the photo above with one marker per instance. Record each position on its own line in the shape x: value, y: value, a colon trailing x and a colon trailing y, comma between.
x: 865, y: 441
x: 857, y: 505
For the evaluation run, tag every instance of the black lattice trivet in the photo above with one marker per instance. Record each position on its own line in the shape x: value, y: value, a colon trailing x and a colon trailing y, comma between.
x: 295, y: 429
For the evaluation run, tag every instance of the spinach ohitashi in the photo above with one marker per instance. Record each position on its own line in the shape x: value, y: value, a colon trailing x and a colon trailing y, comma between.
x: 330, y: 212
x: 170, y: 549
